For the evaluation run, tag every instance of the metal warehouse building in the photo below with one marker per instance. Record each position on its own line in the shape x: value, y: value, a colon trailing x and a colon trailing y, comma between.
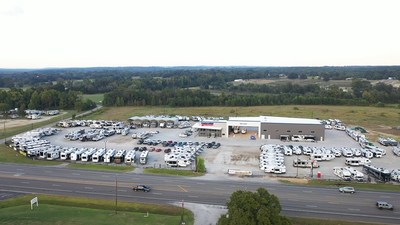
x: 264, y: 127
x: 285, y: 127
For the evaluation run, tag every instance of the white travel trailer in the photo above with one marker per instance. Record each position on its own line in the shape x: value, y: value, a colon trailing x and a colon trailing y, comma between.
x: 366, y: 153
x: 55, y: 154
x: 346, y: 152
x: 355, y: 174
x: 119, y: 156
x: 287, y: 150
x: 322, y: 156
x: 67, y: 153
x: 130, y: 156
x: 109, y: 156
x: 125, y: 131
x: 143, y: 157
x: 99, y: 155
x: 342, y: 173
x: 359, y: 161
x: 87, y: 156
x: 75, y: 156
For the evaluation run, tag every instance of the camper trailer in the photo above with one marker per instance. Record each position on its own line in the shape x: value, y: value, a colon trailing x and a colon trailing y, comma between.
x: 342, y: 173
x: 77, y: 154
x: 130, y: 156
x: 87, y: 156
x: 143, y: 157
x: 99, y: 155
x: 109, y: 156
x: 55, y: 154
x: 305, y: 163
x: 119, y: 156
x: 359, y: 161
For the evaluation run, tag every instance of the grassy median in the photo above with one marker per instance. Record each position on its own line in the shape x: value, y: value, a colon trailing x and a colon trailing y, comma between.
x: 76, y: 211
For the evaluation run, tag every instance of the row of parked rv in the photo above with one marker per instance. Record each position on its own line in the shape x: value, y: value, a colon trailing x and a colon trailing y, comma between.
x: 183, y: 155
x: 272, y: 159
x: 380, y: 174
x: 322, y: 153
x: 386, y: 141
x: 94, y: 134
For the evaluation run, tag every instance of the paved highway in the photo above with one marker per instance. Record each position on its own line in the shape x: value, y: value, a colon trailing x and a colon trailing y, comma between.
x: 320, y: 202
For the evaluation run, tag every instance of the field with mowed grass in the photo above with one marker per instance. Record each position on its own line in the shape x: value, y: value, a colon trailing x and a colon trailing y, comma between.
x: 76, y: 211
x: 97, y: 98
x: 377, y: 120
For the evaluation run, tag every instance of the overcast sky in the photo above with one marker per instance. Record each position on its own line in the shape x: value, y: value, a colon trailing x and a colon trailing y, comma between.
x: 86, y: 33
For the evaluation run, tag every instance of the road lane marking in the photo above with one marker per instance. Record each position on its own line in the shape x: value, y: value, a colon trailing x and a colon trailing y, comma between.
x: 353, y: 209
x: 56, y: 185
x: 311, y: 206
x: 122, y: 190
x: 193, y: 196
x: 25, y: 182
x: 306, y: 191
x: 183, y: 189
x: 157, y: 193
x: 89, y: 188
x: 384, y: 196
x: 76, y: 174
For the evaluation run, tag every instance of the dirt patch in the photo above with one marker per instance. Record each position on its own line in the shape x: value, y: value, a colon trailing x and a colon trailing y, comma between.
x: 10, y: 123
x: 295, y: 180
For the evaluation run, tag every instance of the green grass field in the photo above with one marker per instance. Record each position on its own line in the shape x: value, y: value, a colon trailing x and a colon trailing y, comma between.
x: 172, y: 172
x: 113, y: 168
x: 97, y: 98
x: 76, y: 211
x: 312, y: 221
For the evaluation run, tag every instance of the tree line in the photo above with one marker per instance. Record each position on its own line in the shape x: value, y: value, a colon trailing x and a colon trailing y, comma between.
x: 42, y: 99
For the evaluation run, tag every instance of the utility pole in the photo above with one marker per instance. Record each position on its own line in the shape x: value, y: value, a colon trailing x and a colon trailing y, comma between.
x: 182, y: 221
x: 116, y: 193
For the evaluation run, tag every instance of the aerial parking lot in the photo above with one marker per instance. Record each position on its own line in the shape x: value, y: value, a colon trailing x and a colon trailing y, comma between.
x: 237, y: 152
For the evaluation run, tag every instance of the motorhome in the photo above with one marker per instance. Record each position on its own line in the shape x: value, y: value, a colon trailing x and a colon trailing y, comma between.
x: 359, y: 161
x: 366, y: 153
x: 143, y: 157
x: 287, y: 150
x: 381, y: 174
x: 125, y: 131
x: 347, y: 152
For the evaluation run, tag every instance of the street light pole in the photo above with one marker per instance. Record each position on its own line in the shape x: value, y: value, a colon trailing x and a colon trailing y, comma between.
x: 116, y: 193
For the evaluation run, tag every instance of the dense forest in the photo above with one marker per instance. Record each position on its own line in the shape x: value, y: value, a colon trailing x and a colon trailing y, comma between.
x: 194, y: 86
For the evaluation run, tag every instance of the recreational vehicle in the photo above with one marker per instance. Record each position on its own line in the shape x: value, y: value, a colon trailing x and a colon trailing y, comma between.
x: 143, y: 157
x: 305, y: 163
x: 99, y: 155
x: 119, y: 156
x: 55, y: 154
x: 342, y: 173
x: 109, y: 156
x: 87, y: 156
x: 130, y: 156
x: 357, y: 161
x: 77, y: 154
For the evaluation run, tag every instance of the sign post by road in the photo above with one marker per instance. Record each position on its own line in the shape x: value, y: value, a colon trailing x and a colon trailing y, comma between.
x: 33, y: 201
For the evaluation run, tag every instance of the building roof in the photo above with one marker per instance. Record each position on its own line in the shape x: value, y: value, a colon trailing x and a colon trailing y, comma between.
x: 274, y: 119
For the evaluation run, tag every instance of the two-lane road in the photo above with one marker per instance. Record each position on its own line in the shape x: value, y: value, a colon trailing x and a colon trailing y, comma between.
x: 304, y: 201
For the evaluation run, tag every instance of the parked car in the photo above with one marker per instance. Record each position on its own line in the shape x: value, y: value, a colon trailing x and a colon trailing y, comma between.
x: 384, y: 205
x: 347, y: 190
x: 141, y: 187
